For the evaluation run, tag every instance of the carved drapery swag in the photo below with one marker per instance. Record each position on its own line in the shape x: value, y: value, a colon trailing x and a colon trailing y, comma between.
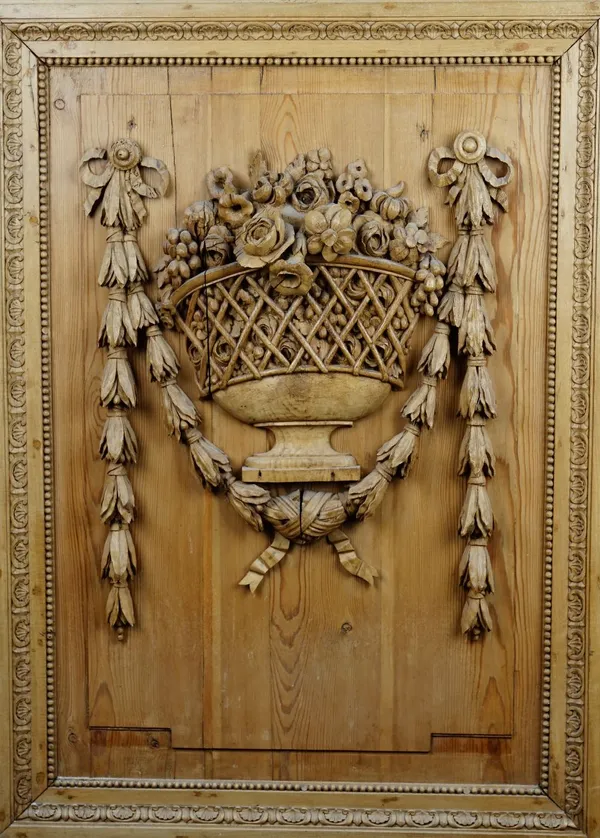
x: 306, y: 272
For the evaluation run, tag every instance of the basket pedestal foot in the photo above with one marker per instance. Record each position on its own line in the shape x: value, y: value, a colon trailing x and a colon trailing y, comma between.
x: 301, y: 453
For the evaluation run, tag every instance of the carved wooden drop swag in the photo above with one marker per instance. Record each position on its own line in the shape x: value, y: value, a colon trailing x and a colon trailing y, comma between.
x: 303, y: 274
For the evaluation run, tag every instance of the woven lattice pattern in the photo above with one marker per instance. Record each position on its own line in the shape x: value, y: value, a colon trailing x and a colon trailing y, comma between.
x: 352, y: 320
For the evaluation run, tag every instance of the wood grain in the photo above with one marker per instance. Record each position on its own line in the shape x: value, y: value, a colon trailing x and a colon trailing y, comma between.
x: 316, y: 677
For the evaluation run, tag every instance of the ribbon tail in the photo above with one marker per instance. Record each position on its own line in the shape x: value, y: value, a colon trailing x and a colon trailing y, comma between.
x: 348, y: 558
x: 274, y: 553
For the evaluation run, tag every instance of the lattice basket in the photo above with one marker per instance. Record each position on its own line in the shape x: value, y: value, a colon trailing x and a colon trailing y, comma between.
x: 356, y: 318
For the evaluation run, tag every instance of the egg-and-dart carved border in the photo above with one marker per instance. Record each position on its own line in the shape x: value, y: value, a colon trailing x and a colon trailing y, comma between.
x: 17, y: 430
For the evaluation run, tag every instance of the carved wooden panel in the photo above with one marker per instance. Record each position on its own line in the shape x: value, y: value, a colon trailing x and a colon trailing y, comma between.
x: 302, y: 699
x: 315, y: 674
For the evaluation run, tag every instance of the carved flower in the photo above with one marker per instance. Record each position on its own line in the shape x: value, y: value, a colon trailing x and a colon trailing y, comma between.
x: 330, y: 231
x: 389, y: 204
x: 273, y: 189
x: 291, y: 276
x: 234, y: 209
x: 319, y: 160
x: 408, y: 242
x: 363, y: 189
x: 412, y: 240
x: 373, y: 234
x: 220, y: 180
x: 350, y: 201
x: 297, y: 168
x: 311, y: 192
x: 262, y: 239
x: 199, y: 217
x: 217, y: 246
x: 355, y: 180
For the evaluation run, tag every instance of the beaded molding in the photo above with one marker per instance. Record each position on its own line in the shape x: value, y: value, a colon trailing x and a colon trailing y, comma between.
x: 46, y: 348
x: 550, y: 426
x: 220, y: 61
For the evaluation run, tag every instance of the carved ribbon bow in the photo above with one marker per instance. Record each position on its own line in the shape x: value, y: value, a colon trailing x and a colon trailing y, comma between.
x: 467, y: 178
x: 120, y: 183
x: 301, y: 517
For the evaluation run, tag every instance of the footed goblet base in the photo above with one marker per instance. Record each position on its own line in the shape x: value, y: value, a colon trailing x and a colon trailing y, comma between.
x: 301, y: 453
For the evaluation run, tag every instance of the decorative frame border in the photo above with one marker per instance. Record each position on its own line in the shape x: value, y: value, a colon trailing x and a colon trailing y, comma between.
x: 35, y: 797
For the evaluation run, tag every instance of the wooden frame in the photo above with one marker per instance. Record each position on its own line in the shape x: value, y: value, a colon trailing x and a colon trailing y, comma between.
x: 39, y: 35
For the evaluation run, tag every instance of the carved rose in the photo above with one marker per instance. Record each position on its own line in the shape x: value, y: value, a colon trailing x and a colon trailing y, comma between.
x: 330, y: 231
x: 199, y: 217
x: 217, y: 246
x: 311, y: 192
x: 291, y: 276
x: 373, y: 234
x: 263, y: 239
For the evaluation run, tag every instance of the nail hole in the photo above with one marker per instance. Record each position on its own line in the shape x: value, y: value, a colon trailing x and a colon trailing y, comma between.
x: 59, y: 104
x: 346, y: 627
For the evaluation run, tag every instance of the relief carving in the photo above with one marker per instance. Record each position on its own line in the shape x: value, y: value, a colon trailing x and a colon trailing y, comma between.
x: 300, y: 274
x: 115, y: 184
x: 473, y: 190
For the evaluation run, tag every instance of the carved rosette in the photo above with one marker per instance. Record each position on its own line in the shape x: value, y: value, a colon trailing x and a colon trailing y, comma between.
x: 115, y: 185
x: 473, y: 191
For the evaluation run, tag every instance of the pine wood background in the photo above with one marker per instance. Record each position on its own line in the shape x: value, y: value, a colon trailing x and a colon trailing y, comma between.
x: 214, y: 682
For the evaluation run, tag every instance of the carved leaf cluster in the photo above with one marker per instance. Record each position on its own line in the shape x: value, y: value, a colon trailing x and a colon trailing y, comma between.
x: 475, y: 188
x: 115, y: 184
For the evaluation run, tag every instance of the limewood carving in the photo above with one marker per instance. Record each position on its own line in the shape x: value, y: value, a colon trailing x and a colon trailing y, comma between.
x: 115, y: 184
x: 474, y: 190
x: 296, y: 275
